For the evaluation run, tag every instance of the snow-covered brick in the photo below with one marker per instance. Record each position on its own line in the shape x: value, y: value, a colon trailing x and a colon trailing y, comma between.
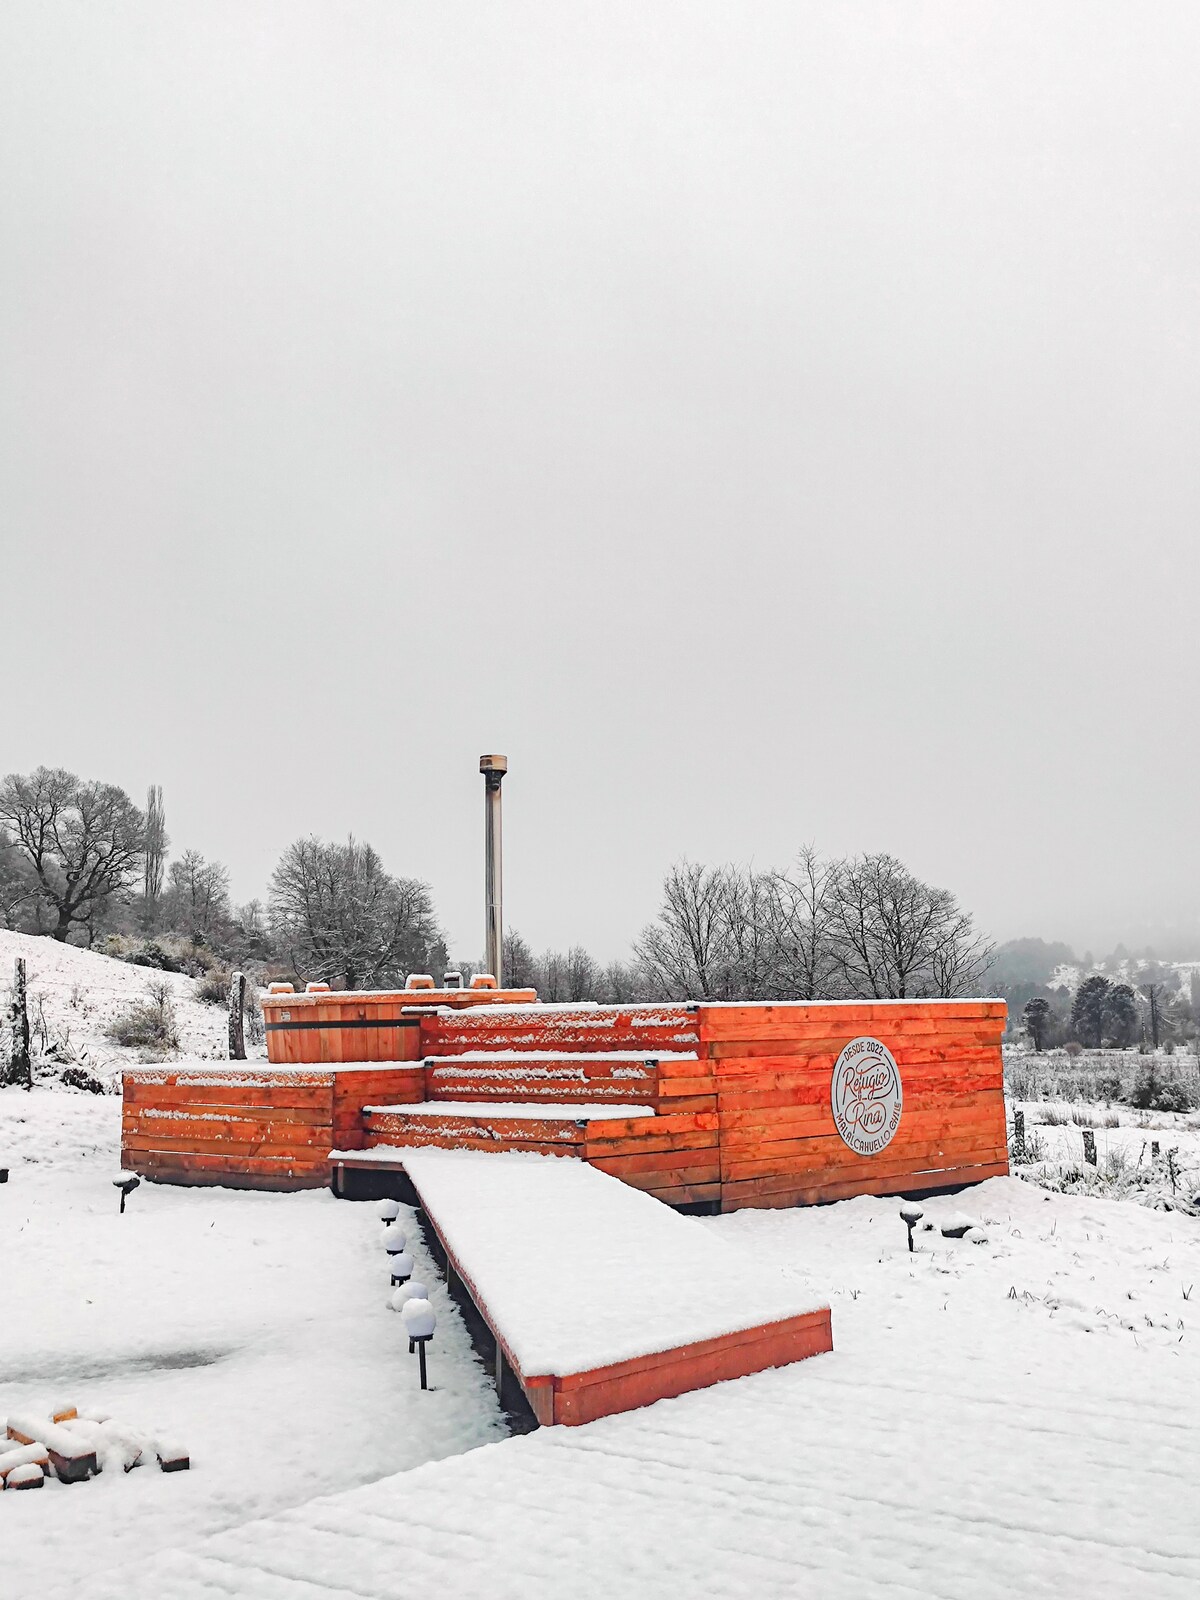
x: 172, y: 1457
x: 30, y: 1476
x: 63, y: 1413
x: 71, y: 1457
x: 22, y: 1456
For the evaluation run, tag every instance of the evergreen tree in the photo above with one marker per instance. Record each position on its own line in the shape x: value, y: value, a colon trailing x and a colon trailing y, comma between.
x: 1087, y: 1010
x: 1036, y: 1017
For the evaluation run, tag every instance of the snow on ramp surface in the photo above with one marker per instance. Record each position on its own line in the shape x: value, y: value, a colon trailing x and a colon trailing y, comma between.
x: 578, y: 1270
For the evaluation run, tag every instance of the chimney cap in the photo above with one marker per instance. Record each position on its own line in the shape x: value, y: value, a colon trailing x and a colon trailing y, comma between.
x: 493, y: 764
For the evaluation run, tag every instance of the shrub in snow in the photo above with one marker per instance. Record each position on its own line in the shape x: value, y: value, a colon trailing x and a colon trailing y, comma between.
x: 152, y: 954
x: 149, y: 1022
x: 213, y: 987
x: 81, y: 1078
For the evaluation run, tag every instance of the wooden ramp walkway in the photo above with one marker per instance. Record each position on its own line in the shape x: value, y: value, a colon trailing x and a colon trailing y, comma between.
x: 600, y: 1298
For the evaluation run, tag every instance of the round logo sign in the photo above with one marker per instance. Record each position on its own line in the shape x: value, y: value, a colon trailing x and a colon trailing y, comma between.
x: 866, y: 1096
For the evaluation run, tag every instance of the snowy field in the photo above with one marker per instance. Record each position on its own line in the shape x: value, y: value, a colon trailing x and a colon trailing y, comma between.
x: 74, y: 994
x: 1127, y: 1165
x: 1006, y: 1414
x: 253, y: 1328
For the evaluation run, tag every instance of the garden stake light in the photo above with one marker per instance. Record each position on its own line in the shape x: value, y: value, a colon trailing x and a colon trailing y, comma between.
x: 911, y: 1215
x: 419, y: 1323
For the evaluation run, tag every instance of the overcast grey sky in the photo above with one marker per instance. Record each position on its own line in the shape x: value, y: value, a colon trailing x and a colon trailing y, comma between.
x: 764, y: 423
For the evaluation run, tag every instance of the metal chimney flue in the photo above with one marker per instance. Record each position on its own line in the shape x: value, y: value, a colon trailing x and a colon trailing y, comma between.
x: 493, y: 769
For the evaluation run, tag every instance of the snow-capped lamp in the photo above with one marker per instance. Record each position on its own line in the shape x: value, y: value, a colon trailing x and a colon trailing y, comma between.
x: 419, y: 1323
x: 910, y: 1216
x: 126, y: 1183
x: 402, y: 1267
x: 389, y: 1210
x: 414, y: 1289
x: 393, y: 1241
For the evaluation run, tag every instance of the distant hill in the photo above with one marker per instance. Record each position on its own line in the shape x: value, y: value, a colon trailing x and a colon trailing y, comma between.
x: 1027, y: 964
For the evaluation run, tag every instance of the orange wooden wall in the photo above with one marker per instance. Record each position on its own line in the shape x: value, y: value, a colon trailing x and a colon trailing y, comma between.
x: 773, y: 1067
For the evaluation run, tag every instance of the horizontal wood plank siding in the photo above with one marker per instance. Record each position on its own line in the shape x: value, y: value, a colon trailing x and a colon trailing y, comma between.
x: 773, y: 1068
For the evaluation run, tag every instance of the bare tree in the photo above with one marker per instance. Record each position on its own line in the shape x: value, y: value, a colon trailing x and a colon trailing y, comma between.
x: 685, y: 949
x: 1154, y: 984
x: 583, y: 977
x: 156, y: 854
x: 341, y: 916
x: 620, y: 982
x: 83, y: 840
x: 520, y: 963
x: 18, y: 886
x: 800, y: 905
x: 895, y: 937
x: 198, y: 899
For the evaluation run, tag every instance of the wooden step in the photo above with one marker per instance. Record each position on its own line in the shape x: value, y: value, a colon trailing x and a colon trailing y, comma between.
x: 548, y: 1128
x: 640, y: 1028
x: 551, y: 1075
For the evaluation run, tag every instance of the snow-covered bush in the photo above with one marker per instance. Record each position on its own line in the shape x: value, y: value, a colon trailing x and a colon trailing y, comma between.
x: 148, y: 1023
x: 213, y: 987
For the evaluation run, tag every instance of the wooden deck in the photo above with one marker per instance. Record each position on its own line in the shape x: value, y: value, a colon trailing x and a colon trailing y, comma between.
x: 738, y: 1101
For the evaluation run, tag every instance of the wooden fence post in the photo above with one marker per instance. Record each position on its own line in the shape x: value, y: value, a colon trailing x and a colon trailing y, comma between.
x: 1018, y: 1136
x: 237, y: 1014
x: 1089, y: 1146
x: 20, y: 1067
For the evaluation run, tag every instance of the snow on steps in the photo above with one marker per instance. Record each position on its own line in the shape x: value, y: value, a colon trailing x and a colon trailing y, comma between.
x: 601, y: 1299
x: 483, y: 1124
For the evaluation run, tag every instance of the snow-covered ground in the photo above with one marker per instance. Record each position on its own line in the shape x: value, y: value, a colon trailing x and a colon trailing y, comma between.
x: 253, y: 1328
x: 74, y: 994
x: 1009, y: 1413
x: 1127, y: 1165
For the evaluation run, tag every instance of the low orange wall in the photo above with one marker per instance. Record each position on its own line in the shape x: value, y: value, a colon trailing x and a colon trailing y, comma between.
x: 774, y: 1068
x: 250, y: 1129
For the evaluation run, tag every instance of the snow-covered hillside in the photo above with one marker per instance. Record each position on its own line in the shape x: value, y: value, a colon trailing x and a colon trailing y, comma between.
x: 75, y: 994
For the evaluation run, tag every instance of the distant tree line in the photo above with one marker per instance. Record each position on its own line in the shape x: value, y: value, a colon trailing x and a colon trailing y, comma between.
x: 80, y: 861
x: 1103, y: 1012
x: 820, y: 929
